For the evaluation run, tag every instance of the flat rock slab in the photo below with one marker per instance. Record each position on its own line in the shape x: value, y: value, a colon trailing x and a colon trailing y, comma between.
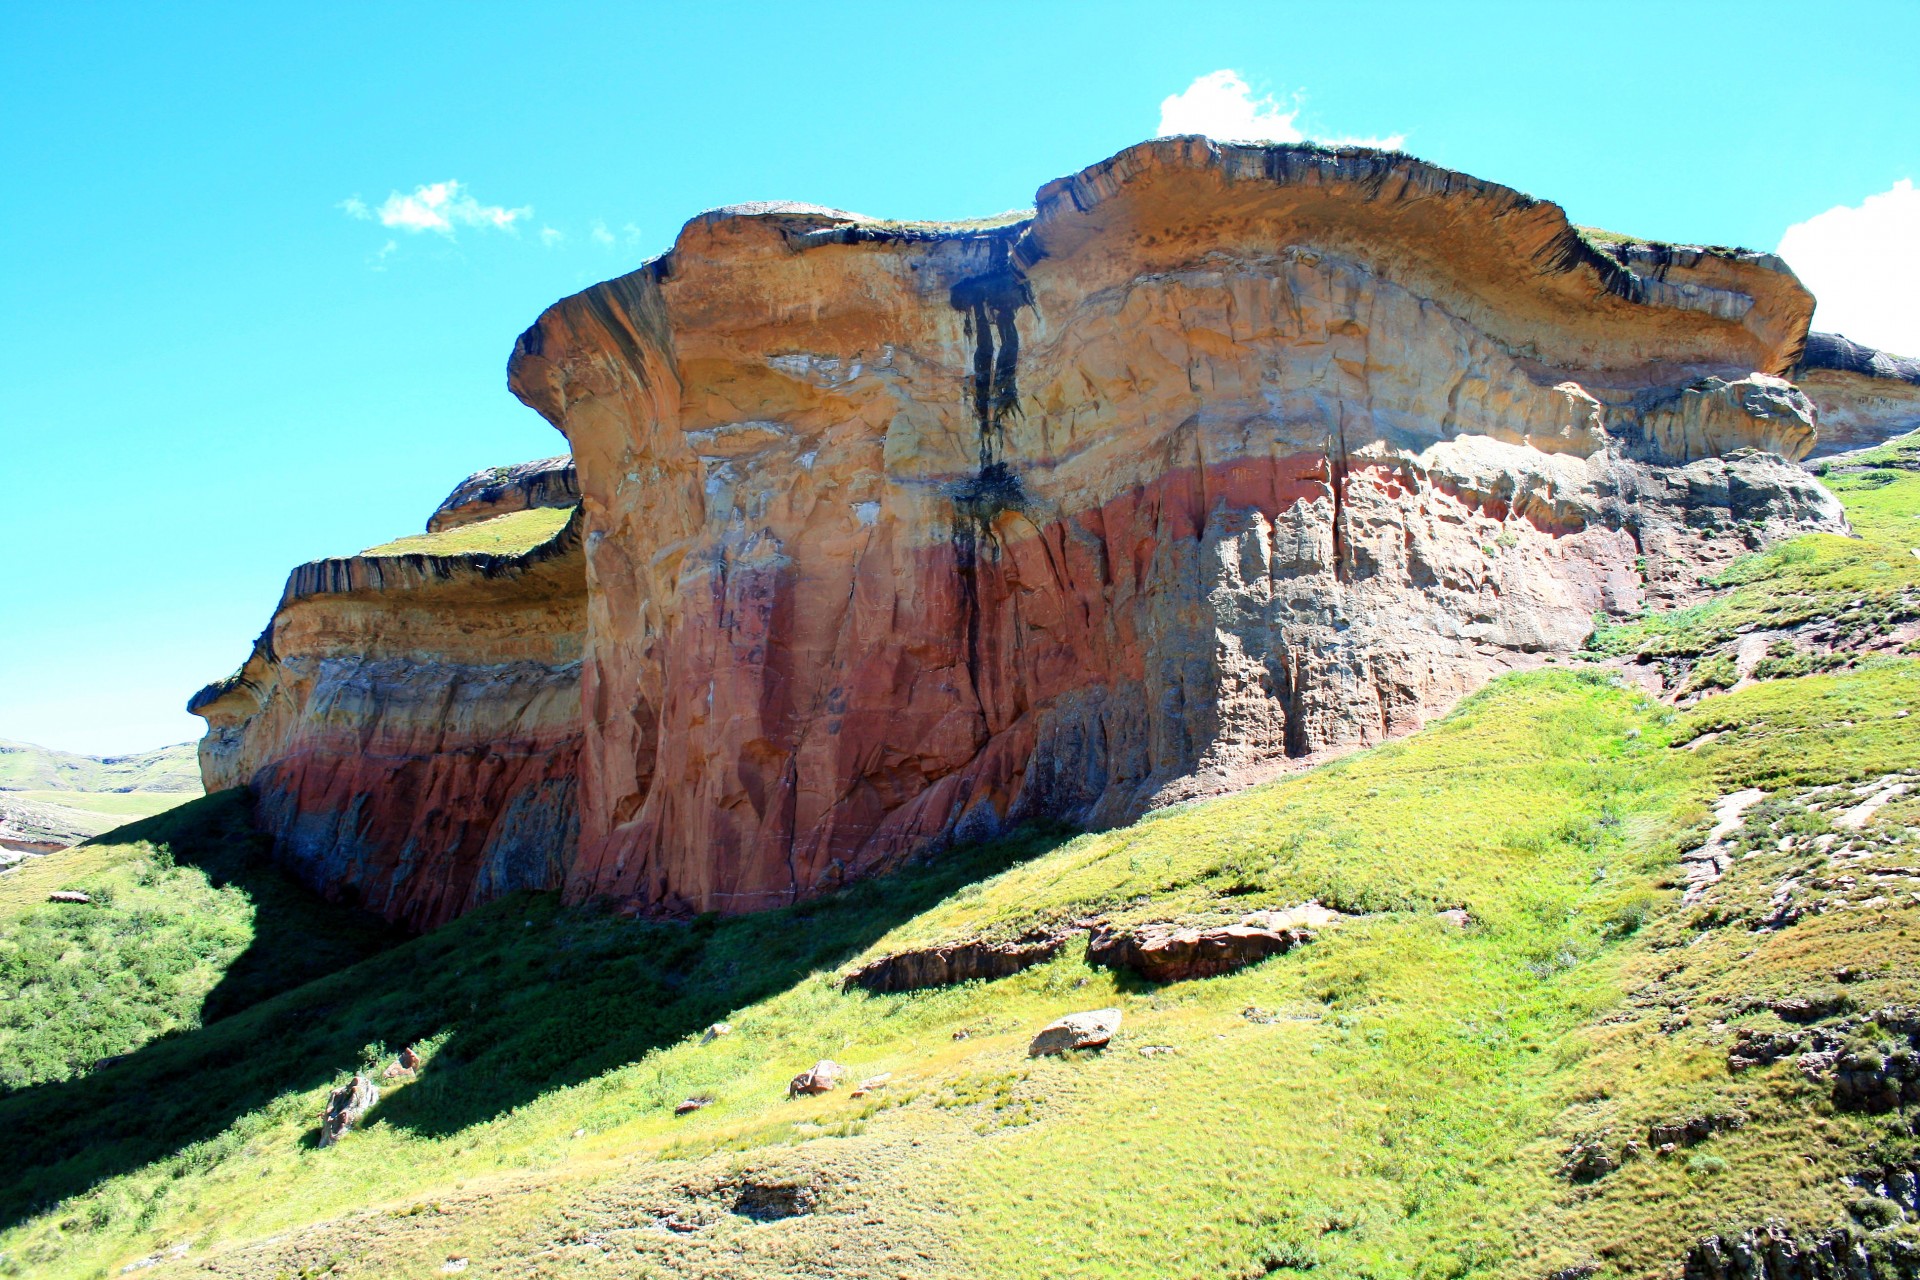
x: 1090, y: 1030
x: 948, y: 963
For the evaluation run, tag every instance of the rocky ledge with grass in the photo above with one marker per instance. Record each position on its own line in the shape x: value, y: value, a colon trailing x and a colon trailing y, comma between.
x: 409, y: 721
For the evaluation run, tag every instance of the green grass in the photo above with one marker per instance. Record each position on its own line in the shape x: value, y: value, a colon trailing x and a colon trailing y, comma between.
x: 172, y: 939
x: 113, y: 804
x: 510, y: 534
x: 1394, y: 1100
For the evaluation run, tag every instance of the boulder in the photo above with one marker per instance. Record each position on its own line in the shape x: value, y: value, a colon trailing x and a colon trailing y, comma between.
x: 691, y: 1105
x: 346, y: 1107
x: 822, y: 1077
x: 1090, y: 1030
x: 715, y: 1031
x: 68, y: 895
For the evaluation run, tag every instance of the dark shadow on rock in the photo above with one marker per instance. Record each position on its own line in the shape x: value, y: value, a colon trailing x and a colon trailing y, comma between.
x: 529, y: 997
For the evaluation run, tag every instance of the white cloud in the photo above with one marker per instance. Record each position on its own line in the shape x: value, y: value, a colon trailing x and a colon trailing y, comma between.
x: 551, y: 236
x: 600, y: 233
x: 632, y: 231
x: 1863, y: 264
x: 439, y: 207
x: 1221, y: 105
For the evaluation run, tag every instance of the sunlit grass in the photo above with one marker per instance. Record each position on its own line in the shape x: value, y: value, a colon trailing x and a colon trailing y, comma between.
x: 509, y: 534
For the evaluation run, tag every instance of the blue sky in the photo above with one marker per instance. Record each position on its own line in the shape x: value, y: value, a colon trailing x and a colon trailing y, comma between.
x: 216, y: 364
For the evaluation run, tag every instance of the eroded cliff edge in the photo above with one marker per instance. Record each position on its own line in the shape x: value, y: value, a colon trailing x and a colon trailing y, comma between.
x: 1865, y: 396
x: 410, y: 725
x: 897, y: 533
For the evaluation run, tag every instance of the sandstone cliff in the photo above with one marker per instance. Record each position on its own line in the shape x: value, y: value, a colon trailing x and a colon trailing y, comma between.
x: 897, y: 533
x: 1864, y: 396
x: 545, y: 482
x: 410, y: 725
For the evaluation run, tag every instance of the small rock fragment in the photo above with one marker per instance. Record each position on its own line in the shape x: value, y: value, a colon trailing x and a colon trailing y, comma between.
x: 68, y: 895
x: 691, y: 1105
x: 871, y: 1083
x: 1089, y: 1030
x: 715, y: 1031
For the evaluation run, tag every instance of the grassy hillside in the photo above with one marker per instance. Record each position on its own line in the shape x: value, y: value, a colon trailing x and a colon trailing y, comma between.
x: 24, y: 767
x: 1405, y: 1096
x: 187, y: 922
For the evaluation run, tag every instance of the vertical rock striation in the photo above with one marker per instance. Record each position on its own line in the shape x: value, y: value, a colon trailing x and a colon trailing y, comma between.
x: 899, y: 533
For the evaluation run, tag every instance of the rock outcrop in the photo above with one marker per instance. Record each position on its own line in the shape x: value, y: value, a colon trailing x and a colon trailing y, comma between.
x: 951, y: 962
x: 410, y: 726
x: 902, y: 533
x: 347, y: 1106
x: 1169, y: 953
x: 545, y: 482
x: 1864, y: 396
x: 896, y: 534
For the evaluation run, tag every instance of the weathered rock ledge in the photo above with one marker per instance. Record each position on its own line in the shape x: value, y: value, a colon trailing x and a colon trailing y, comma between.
x: 1865, y: 397
x: 895, y: 534
x: 544, y: 482
x: 410, y: 726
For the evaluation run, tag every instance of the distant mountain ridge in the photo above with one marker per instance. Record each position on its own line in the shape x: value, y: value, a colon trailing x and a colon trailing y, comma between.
x: 25, y: 767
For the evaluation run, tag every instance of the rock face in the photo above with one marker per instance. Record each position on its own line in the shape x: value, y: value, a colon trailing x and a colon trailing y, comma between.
x: 898, y: 534
x: 1864, y: 396
x: 545, y: 482
x: 410, y: 726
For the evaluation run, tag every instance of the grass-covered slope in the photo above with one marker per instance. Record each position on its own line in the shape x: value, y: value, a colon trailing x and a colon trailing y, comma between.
x: 186, y: 922
x: 25, y: 767
x: 509, y: 534
x: 1404, y: 1096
